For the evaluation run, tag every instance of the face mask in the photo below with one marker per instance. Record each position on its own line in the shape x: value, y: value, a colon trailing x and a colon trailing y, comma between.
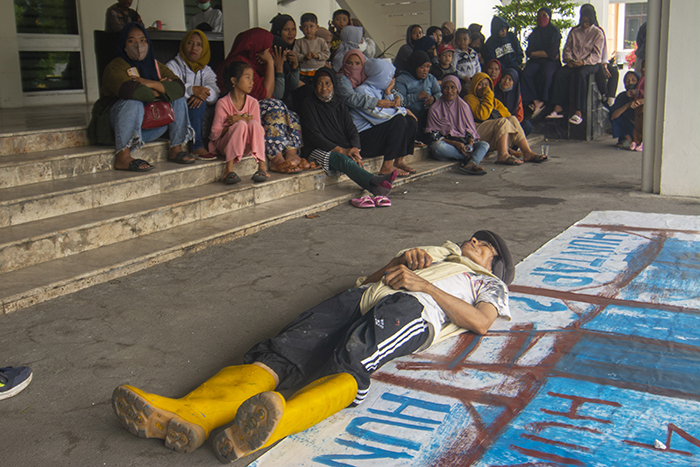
x: 362, y: 47
x: 137, y: 52
x: 204, y: 6
x: 543, y: 22
x: 446, y: 39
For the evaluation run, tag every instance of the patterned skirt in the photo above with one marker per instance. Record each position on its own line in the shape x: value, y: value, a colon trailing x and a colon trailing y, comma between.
x: 282, y: 127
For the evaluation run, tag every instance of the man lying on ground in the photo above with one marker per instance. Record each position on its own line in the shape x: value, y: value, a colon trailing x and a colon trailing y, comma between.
x: 421, y: 295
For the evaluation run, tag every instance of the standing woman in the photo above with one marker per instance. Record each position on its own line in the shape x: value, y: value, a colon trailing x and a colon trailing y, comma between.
x: 282, y: 129
x: 129, y: 82
x: 191, y: 65
x: 543, y: 54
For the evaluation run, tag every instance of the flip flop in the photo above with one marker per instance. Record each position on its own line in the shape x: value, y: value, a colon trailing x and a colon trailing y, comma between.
x: 312, y: 166
x: 510, y: 161
x: 259, y: 176
x: 554, y: 115
x: 364, y: 202
x: 135, y: 166
x: 231, y: 178
x: 180, y: 158
x: 381, y: 201
x: 473, y: 170
x: 536, y: 112
x: 575, y: 120
x: 538, y: 158
x: 210, y: 156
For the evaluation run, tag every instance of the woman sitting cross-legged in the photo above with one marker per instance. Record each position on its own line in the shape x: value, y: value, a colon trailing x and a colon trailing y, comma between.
x: 496, y: 125
x: 452, y: 130
x: 191, y: 65
x: 332, y: 141
x: 130, y: 82
x: 388, y: 132
x: 236, y: 129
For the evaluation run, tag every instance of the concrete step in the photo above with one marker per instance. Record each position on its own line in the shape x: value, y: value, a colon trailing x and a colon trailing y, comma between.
x: 47, y: 239
x: 19, y: 169
x: 23, y: 142
x: 40, y: 282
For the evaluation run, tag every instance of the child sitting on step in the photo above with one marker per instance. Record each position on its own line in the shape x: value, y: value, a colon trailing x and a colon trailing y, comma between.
x: 236, y: 129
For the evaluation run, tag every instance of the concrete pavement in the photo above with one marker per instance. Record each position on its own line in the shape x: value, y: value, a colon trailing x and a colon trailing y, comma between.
x: 168, y: 328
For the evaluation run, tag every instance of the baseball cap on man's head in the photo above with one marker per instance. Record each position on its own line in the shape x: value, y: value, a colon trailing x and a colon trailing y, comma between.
x: 445, y: 48
x: 502, y: 266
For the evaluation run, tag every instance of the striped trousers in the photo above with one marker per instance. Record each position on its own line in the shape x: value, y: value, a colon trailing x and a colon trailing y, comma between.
x: 334, y: 337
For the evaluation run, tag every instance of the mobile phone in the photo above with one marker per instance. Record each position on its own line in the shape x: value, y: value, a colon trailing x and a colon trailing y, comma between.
x: 133, y: 72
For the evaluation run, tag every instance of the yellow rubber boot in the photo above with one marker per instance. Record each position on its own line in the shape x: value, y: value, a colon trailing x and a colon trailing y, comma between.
x: 266, y: 418
x: 185, y: 423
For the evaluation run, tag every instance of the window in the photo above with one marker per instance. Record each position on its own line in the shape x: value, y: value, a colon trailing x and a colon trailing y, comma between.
x: 46, y: 17
x: 635, y: 16
x: 50, y: 71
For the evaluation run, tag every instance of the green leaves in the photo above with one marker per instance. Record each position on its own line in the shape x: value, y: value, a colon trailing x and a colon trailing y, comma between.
x: 522, y: 15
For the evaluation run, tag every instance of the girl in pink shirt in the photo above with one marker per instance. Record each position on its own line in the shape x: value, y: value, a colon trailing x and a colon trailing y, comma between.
x: 236, y: 130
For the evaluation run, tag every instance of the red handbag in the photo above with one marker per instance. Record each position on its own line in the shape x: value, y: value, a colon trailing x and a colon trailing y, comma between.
x: 157, y: 114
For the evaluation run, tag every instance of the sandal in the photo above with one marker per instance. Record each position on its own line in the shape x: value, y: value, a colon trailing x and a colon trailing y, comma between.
x: 418, y: 144
x: 180, y: 158
x: 554, y: 115
x: 640, y: 147
x: 536, y: 111
x: 406, y: 168
x: 381, y: 201
x: 231, y: 178
x: 210, y: 156
x: 575, y: 120
x: 364, y: 202
x: 286, y: 167
x: 260, y: 176
x: 135, y: 166
x: 511, y: 160
x: 538, y: 158
x: 312, y: 166
x: 472, y: 170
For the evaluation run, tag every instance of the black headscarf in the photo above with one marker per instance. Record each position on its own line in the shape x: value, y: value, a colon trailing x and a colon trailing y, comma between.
x: 325, y: 71
x: 547, y: 38
x: 417, y: 59
x: 509, y: 98
x: 589, y: 12
x: 146, y: 67
x: 277, y: 23
x: 409, y: 41
x: 424, y: 43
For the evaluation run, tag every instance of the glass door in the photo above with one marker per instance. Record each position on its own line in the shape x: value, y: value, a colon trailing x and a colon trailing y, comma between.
x: 50, y: 54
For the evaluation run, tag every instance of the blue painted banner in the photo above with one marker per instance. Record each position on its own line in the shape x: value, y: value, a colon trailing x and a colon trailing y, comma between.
x: 600, y: 363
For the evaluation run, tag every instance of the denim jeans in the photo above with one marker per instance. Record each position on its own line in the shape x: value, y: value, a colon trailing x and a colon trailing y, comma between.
x: 442, y: 151
x: 126, y: 117
x: 196, y: 120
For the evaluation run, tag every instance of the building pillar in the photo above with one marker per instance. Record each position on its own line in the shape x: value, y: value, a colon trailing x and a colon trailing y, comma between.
x: 10, y: 74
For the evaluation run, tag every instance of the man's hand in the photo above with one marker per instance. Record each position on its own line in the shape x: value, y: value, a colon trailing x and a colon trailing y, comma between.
x: 400, y: 277
x: 201, y: 92
x: 415, y: 258
x: 194, y: 102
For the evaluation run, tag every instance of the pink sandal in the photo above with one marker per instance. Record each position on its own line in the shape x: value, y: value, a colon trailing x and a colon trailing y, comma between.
x: 364, y: 202
x: 382, y: 201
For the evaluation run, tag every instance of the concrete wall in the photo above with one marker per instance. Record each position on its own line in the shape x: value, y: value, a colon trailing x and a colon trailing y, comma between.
x: 680, y: 164
x: 10, y: 78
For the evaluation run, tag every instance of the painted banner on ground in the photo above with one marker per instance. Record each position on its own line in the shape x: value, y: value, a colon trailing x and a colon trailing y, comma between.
x: 600, y: 362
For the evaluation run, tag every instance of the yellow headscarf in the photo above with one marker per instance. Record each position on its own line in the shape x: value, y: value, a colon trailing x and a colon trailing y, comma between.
x: 206, y: 53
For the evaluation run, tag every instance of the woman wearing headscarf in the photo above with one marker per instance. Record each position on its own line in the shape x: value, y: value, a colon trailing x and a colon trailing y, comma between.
x: 350, y: 39
x: 387, y: 132
x: 413, y: 33
x: 452, y: 130
x: 607, y: 76
x: 582, y: 55
x: 350, y: 76
x: 503, y: 46
x: 508, y: 92
x: 367, y: 46
x: 543, y: 61
x: 436, y: 33
x: 129, y: 83
x: 331, y: 138
x: 282, y: 129
x: 496, y: 125
x: 191, y: 65
x: 426, y: 44
x: 287, y: 71
x: 418, y: 88
x: 622, y: 113
x: 448, y: 32
x: 493, y: 69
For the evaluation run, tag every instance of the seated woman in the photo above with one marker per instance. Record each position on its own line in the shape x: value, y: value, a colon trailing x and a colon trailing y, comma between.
x: 129, y: 82
x: 582, y: 55
x: 452, y: 130
x: 638, y: 106
x: 508, y: 92
x: 282, y: 129
x: 413, y: 33
x: 350, y: 76
x: 418, y: 88
x: 493, y: 69
x: 622, y: 113
x: 287, y: 70
x: 543, y: 62
x: 236, y: 130
x: 331, y: 139
x: 201, y: 91
x: 387, y: 132
x: 496, y: 125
